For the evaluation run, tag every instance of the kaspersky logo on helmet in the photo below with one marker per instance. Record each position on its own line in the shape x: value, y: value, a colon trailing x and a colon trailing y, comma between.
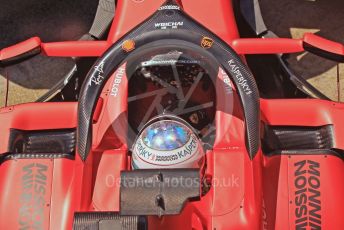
x: 167, y: 143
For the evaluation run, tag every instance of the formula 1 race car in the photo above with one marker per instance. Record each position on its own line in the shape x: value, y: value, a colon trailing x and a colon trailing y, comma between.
x: 169, y: 131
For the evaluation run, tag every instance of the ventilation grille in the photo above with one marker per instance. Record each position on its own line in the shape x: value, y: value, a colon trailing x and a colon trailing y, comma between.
x: 108, y: 221
x: 42, y: 141
x: 282, y: 138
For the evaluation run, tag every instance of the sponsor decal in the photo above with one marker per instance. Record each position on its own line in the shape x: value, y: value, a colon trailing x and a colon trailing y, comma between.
x: 227, y: 82
x: 117, y: 81
x: 307, y: 195
x: 207, y: 42
x: 238, y: 75
x: 169, y: 7
x: 169, y: 62
x: 98, y: 77
x: 165, y: 25
x: 176, y: 156
x: 128, y: 45
x: 32, y: 199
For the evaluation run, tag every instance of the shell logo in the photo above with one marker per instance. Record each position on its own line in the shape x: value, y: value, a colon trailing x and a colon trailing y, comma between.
x: 128, y: 45
x: 207, y: 43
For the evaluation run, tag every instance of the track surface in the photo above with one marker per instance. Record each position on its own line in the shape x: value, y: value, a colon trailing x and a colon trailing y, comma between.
x: 51, y: 20
x: 325, y: 18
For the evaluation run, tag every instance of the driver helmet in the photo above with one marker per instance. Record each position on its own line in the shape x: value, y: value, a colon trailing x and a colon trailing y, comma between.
x: 167, y: 141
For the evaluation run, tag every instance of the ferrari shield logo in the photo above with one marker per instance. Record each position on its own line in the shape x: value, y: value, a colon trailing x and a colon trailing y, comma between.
x: 128, y: 45
x: 207, y: 42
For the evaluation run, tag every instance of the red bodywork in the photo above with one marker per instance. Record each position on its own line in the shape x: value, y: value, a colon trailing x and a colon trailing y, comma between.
x: 262, y: 193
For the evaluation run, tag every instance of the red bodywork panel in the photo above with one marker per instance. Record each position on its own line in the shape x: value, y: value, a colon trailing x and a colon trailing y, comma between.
x: 303, y: 189
x: 20, y: 48
x: 224, y: 207
x: 324, y: 44
x: 267, y: 192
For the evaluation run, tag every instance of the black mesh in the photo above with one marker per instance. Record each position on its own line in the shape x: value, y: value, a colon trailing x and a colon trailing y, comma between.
x: 282, y: 138
x: 108, y: 220
x: 42, y: 141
